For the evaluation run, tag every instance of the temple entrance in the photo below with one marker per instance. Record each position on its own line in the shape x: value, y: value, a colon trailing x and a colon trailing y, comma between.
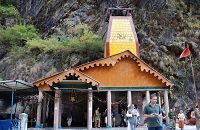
x: 74, y: 104
x: 99, y: 100
x: 77, y: 100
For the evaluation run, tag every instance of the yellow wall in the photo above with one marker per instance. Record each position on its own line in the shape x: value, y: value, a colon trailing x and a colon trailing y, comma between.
x: 121, y: 37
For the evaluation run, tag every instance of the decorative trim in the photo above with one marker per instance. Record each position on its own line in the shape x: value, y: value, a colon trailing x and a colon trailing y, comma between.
x: 133, y: 88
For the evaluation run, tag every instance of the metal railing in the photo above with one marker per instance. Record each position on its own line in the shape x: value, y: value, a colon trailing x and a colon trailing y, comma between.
x: 15, y: 124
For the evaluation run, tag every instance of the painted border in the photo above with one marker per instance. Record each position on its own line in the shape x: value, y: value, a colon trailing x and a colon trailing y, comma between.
x: 129, y: 88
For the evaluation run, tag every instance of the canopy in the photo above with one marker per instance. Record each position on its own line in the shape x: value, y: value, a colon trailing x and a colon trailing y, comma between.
x: 20, y: 87
x: 13, y: 85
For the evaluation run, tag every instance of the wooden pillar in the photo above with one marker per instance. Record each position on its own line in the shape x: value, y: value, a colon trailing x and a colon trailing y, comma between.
x: 129, y: 98
x: 109, y: 125
x: 44, y: 109
x: 159, y: 102
x: 147, y: 97
x: 166, y: 105
x: 39, y: 110
x: 89, y: 109
x: 60, y: 110
x: 159, y: 99
x: 56, y: 108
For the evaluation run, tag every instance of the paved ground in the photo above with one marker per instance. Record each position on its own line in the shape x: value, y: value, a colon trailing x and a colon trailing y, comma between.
x: 187, y: 127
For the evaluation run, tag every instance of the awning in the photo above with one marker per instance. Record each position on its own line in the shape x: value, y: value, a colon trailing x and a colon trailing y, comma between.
x: 20, y: 87
x: 13, y: 85
x: 17, y: 87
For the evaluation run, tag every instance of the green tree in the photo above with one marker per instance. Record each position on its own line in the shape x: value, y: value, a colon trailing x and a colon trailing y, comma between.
x: 18, y: 35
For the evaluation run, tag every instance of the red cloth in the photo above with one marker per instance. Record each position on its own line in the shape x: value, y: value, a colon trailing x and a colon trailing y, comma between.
x: 185, y: 53
x: 189, y: 115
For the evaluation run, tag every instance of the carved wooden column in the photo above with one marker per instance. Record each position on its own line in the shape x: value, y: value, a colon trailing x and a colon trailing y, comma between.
x: 60, y: 111
x: 159, y: 99
x: 147, y: 97
x: 39, y: 110
x: 166, y: 105
x: 109, y: 109
x: 129, y: 97
x: 89, y: 109
x: 57, y: 108
x: 44, y: 109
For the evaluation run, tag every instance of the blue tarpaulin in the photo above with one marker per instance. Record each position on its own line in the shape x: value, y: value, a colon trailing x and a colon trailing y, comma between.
x: 4, y: 124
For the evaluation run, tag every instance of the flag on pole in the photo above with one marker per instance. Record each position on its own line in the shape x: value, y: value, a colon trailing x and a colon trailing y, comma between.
x: 185, y: 53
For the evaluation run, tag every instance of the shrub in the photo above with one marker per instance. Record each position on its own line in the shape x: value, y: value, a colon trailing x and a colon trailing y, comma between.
x: 18, y: 35
x: 46, y: 46
x: 10, y: 11
x: 89, y: 46
x: 6, y: 2
x: 19, y: 52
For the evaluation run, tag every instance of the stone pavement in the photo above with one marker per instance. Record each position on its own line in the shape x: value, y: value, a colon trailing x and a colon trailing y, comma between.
x: 103, y: 128
x: 187, y: 127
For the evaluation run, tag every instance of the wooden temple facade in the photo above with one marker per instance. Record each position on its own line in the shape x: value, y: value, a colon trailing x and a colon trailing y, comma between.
x: 122, y: 72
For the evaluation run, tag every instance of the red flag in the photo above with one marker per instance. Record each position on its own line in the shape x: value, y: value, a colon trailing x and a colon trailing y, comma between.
x: 185, y: 53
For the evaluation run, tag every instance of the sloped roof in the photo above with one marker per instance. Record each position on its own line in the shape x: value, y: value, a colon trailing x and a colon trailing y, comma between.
x: 108, y: 61
x: 62, y: 76
x: 112, y: 60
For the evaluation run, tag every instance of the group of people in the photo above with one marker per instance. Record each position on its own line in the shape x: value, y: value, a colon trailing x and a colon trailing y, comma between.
x: 132, y: 117
x: 172, y: 117
x: 152, y: 113
x: 190, y: 114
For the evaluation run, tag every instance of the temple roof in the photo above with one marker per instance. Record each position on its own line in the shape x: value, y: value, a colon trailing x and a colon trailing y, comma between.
x: 86, y: 74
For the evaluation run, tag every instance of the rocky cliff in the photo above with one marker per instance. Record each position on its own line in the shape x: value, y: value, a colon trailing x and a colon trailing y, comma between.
x: 164, y: 29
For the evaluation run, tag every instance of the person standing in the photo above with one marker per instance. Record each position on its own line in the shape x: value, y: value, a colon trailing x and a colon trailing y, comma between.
x: 113, y: 114
x: 171, y: 116
x: 133, y: 118
x: 153, y: 113
x: 187, y: 116
x: 105, y: 114
x: 122, y: 118
x: 181, y: 117
x: 197, y: 116
x: 69, y: 117
x: 138, y: 115
x: 97, y: 118
x: 128, y: 115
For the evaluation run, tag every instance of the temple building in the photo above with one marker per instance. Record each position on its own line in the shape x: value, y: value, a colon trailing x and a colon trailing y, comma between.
x: 118, y: 79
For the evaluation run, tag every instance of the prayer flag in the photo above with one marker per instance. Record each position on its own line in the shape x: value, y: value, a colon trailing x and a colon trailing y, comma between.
x: 185, y: 53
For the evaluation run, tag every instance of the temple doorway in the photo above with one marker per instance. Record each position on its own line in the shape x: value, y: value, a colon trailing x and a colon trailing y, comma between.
x: 77, y: 100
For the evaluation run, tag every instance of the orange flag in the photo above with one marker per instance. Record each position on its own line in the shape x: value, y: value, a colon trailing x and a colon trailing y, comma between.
x: 185, y: 53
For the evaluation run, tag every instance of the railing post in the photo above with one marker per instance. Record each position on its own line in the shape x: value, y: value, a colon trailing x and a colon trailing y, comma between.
x: 11, y: 105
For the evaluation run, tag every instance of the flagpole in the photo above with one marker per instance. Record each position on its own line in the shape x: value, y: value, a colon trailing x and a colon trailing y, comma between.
x: 195, y: 91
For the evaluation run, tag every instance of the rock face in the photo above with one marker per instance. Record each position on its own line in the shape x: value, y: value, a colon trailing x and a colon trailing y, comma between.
x: 163, y: 33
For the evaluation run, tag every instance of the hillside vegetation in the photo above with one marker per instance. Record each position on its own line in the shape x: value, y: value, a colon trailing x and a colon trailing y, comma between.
x: 43, y: 38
